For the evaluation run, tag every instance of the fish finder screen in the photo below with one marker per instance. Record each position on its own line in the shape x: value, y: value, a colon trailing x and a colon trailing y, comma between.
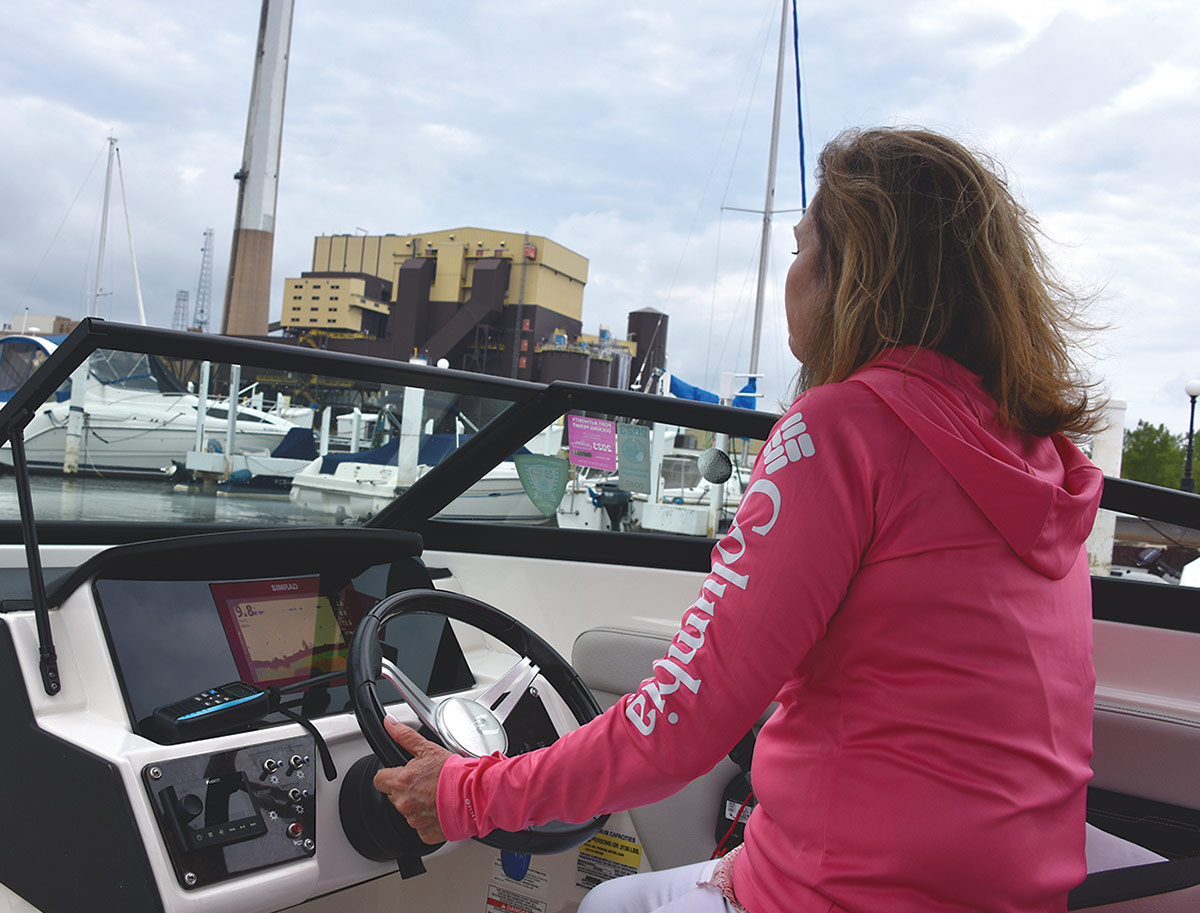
x: 283, y: 631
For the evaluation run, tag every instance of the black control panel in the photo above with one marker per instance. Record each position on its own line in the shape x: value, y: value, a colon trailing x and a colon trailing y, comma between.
x: 230, y: 812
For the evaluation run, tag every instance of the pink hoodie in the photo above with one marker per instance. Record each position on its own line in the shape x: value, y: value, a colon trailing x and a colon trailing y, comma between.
x: 908, y: 580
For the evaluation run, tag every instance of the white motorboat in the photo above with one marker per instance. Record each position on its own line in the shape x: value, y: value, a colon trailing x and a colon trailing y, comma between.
x: 137, y: 418
x: 357, y: 490
x: 357, y: 486
x: 684, y: 501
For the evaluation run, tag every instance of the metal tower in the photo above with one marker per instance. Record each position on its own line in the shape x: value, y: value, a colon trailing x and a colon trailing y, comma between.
x: 179, y: 321
x: 204, y: 287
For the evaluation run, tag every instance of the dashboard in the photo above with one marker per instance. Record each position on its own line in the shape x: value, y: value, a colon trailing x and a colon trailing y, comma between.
x: 177, y: 639
x: 212, y: 620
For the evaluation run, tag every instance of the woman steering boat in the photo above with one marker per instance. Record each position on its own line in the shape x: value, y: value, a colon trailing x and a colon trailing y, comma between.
x: 905, y: 577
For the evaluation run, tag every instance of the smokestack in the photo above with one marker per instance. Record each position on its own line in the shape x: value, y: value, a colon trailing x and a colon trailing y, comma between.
x: 248, y: 288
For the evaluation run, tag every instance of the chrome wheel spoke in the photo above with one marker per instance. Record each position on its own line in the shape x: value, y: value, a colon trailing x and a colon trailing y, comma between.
x: 417, y: 699
x: 514, y: 681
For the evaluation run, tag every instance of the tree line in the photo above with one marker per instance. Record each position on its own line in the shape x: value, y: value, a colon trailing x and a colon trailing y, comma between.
x: 1151, y: 453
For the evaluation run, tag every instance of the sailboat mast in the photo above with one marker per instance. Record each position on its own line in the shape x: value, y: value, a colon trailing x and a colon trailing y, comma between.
x: 137, y: 283
x: 112, y: 146
x: 765, y: 245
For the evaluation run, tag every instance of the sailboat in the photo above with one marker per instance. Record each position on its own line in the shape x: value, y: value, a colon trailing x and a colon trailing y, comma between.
x: 122, y: 414
x: 694, y: 495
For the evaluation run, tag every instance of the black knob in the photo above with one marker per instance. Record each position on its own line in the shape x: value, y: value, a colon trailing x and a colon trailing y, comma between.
x: 191, y: 805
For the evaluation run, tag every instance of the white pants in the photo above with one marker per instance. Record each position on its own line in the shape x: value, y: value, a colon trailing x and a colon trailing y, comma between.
x: 675, y: 890
x: 668, y: 891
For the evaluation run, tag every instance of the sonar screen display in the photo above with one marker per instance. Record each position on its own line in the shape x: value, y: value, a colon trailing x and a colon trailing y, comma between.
x: 286, y: 630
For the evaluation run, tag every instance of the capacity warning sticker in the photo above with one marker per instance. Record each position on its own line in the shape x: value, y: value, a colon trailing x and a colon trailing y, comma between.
x: 503, y: 900
x: 608, y: 855
x: 528, y: 895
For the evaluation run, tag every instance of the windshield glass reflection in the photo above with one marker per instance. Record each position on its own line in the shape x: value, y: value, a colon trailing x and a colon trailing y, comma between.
x: 134, y: 438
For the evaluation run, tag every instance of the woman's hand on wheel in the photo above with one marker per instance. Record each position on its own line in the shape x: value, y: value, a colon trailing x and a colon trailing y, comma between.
x: 412, y: 789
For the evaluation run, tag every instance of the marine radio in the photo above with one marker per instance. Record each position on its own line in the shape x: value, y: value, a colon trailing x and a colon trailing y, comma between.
x: 212, y: 712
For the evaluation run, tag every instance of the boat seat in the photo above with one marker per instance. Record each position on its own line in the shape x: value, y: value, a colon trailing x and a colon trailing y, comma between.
x: 1116, y: 858
x: 1186, y: 900
x: 678, y: 830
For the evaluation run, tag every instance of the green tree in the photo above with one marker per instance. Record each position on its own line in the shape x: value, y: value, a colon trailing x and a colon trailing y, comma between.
x: 1151, y: 453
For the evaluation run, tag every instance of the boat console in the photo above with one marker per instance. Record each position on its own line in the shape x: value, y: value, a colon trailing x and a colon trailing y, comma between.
x: 212, y: 740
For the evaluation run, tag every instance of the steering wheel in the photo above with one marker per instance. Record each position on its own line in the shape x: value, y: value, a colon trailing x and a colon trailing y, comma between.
x: 471, y: 727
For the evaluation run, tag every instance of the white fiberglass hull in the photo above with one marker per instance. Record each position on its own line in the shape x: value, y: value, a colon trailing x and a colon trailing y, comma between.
x: 142, y: 435
x: 361, y: 490
x: 684, y: 511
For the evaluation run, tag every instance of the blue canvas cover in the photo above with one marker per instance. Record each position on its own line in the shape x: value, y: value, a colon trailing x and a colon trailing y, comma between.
x: 683, y: 390
x: 297, y: 444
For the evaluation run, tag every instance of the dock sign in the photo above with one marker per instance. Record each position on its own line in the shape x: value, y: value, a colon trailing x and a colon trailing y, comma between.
x: 592, y: 442
x: 633, y: 457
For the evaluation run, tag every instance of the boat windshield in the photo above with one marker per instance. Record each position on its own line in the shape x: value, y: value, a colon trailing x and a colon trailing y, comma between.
x: 19, y: 358
x: 155, y: 437
x: 313, y: 438
x: 133, y: 371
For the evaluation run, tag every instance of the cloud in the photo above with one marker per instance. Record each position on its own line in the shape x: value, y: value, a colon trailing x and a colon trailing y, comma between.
x: 445, y: 139
x: 1166, y: 83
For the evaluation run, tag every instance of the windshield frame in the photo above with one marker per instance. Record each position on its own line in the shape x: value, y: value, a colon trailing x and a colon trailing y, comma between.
x: 532, y: 406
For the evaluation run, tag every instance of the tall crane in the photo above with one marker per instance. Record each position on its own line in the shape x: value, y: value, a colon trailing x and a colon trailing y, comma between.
x: 204, y: 287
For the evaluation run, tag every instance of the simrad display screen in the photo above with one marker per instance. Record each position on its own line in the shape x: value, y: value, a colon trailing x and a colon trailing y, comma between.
x: 285, y: 630
x: 175, y: 638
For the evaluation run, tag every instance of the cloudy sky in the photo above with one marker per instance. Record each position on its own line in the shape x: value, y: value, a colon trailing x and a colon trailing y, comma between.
x: 629, y: 132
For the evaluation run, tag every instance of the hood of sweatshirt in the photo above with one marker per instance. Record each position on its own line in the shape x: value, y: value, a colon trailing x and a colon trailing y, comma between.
x: 1040, y: 493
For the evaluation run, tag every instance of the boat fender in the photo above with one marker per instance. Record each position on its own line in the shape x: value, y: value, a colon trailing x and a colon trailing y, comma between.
x: 715, y: 466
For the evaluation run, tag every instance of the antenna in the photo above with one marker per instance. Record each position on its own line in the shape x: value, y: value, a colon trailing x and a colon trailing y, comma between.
x: 204, y: 287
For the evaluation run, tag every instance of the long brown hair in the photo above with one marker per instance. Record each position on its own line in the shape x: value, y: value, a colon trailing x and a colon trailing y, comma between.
x: 922, y: 244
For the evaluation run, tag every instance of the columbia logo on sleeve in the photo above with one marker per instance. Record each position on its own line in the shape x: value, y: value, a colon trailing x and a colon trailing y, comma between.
x: 788, y: 444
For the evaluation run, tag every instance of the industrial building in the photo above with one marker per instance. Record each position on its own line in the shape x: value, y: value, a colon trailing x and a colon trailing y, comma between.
x: 494, y: 302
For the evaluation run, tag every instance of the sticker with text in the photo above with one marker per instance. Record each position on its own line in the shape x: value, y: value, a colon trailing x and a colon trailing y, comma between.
x: 592, y: 442
x: 607, y: 855
x: 528, y: 894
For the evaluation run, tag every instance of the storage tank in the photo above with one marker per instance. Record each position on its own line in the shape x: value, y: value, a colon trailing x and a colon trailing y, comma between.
x: 600, y: 373
x: 563, y: 364
x: 647, y: 328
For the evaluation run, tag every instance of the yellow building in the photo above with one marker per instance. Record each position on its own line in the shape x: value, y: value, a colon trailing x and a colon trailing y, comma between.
x: 480, y: 298
x: 554, y: 276
x: 337, y: 301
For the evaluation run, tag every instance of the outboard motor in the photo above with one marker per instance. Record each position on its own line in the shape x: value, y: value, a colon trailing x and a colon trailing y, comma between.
x: 614, y: 500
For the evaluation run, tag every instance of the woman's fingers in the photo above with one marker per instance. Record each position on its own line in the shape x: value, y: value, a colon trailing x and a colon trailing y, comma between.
x: 408, y: 738
x: 412, y: 788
